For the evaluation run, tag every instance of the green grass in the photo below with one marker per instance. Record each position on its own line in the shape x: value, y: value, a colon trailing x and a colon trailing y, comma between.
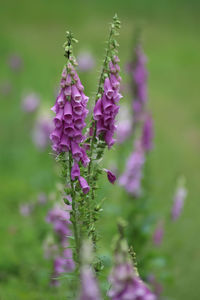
x: 35, y: 30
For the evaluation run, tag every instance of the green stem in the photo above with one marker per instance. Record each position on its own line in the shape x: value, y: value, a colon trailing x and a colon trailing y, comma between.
x: 74, y: 210
x: 98, y: 92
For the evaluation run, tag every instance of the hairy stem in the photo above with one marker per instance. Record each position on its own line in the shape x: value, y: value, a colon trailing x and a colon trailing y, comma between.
x: 74, y: 210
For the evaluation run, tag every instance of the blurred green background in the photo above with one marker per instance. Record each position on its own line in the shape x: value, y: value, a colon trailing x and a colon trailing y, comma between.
x: 35, y: 30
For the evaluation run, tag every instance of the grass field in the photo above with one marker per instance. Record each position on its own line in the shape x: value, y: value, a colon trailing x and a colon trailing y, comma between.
x: 36, y: 31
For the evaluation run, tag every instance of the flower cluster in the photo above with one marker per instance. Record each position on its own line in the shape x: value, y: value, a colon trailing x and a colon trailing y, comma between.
x: 71, y: 111
x: 59, y: 217
x: 124, y: 279
x: 131, y: 178
x: 106, y: 107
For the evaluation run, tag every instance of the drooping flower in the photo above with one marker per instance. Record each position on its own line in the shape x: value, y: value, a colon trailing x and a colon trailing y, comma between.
x: 106, y: 107
x: 71, y: 111
x: 30, y: 103
x: 131, y: 178
x: 179, y: 199
x: 111, y: 176
x: 124, y: 279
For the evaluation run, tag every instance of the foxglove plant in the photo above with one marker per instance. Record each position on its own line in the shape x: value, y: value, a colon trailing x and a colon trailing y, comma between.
x: 77, y: 152
x: 124, y: 278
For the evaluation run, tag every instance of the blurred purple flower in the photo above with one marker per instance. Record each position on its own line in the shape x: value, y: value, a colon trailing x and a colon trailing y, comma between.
x: 89, y: 289
x: 179, y: 199
x: 15, y: 62
x: 157, y: 287
x: 42, y: 198
x: 138, y: 71
x: 40, y: 134
x: 26, y: 209
x: 30, y: 103
x: 59, y: 217
x: 158, y: 234
x: 147, y: 133
x: 124, y: 125
x: 131, y: 178
x: 86, y: 61
x: 124, y: 279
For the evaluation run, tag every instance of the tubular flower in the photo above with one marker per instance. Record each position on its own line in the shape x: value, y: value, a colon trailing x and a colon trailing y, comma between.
x: 106, y: 107
x: 131, y: 178
x: 71, y: 111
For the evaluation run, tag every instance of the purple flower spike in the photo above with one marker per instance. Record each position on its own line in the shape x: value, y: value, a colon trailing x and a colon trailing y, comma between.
x: 86, y: 61
x: 84, y: 185
x: 111, y: 176
x: 158, y: 234
x: 148, y: 134
x: 89, y: 289
x: 105, y: 109
x: 131, y: 179
x: 75, y: 171
x: 30, y: 103
x: 124, y: 279
x: 179, y: 200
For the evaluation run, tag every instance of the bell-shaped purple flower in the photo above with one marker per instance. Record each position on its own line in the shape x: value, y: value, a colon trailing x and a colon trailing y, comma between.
x: 84, y: 185
x: 75, y: 171
x: 111, y: 176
